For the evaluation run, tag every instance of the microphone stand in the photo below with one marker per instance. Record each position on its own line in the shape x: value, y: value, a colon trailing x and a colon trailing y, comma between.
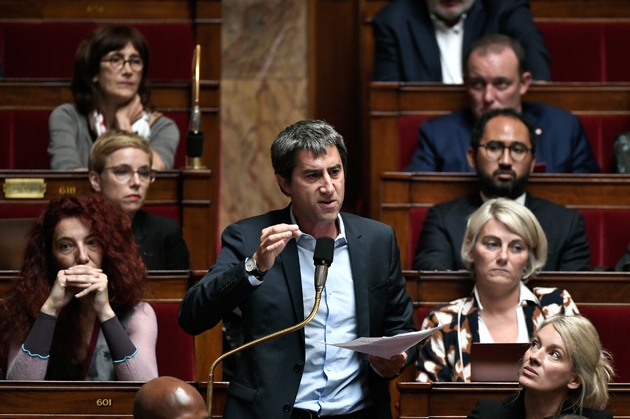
x: 194, y: 139
x: 318, y: 297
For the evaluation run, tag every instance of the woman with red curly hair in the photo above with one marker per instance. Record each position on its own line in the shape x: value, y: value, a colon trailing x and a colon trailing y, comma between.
x: 76, y: 310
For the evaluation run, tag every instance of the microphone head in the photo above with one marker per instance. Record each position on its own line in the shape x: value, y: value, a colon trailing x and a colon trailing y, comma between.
x: 324, y: 251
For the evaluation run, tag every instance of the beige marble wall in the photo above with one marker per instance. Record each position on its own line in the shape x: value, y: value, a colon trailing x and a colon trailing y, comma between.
x: 264, y: 88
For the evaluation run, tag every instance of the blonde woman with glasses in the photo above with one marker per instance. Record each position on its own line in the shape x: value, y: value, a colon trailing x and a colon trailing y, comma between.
x: 110, y: 92
x: 120, y: 168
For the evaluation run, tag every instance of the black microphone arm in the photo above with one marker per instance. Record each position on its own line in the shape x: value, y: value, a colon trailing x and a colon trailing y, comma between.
x: 323, y: 258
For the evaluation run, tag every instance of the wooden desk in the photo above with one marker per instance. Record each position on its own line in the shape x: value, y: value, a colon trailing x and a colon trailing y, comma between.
x: 456, y: 400
x: 428, y: 289
x: 63, y: 399
x: 164, y: 285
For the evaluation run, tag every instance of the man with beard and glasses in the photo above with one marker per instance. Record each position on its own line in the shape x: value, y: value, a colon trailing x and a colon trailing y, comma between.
x: 426, y: 40
x: 503, y: 153
x: 496, y: 78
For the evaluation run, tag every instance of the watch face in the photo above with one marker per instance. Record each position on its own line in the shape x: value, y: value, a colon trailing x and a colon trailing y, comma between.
x: 250, y: 264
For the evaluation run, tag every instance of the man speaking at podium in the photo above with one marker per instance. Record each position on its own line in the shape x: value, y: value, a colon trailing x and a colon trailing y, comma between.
x: 266, y: 269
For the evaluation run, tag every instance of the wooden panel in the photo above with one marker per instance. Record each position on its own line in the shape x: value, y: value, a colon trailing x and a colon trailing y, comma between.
x: 32, y: 94
x: 456, y: 400
x: 169, y: 10
x: 428, y: 289
x: 44, y: 399
x: 572, y: 190
x: 435, y: 98
x: 582, y: 9
x: 163, y: 285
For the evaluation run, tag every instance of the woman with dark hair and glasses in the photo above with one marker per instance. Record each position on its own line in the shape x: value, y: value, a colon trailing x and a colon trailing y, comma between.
x: 76, y: 310
x: 110, y: 92
x: 120, y: 168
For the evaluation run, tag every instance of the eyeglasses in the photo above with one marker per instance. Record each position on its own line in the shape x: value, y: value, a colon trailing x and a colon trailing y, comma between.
x: 495, y: 149
x: 124, y: 173
x: 117, y: 62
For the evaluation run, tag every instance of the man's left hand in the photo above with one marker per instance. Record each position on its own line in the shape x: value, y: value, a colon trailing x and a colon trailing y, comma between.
x: 388, y: 368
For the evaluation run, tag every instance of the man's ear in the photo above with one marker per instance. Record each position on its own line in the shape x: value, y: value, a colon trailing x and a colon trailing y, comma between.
x: 470, y: 156
x: 575, y: 382
x: 95, y: 180
x: 284, y: 185
x: 526, y: 80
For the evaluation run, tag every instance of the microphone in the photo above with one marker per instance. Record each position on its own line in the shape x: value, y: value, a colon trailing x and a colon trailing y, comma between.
x: 323, y: 258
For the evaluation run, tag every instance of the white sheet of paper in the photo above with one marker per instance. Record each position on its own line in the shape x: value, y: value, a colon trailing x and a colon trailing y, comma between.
x: 387, y: 346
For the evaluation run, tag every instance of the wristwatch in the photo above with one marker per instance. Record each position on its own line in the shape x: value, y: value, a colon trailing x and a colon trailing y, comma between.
x: 251, y: 267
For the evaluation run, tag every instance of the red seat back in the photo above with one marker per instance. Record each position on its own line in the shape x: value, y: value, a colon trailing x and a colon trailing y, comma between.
x: 608, y: 233
x: 24, y: 139
x: 567, y: 40
x: 416, y: 220
x: 611, y: 323
x: 602, y: 130
x: 175, y: 348
x: 408, y: 137
x: 47, y: 49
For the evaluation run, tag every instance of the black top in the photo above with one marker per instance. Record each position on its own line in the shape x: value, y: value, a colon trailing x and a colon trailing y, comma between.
x: 514, y: 408
x: 161, y: 244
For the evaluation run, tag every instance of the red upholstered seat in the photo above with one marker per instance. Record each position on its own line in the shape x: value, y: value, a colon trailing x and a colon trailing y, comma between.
x: 617, y: 52
x: 416, y: 219
x: 24, y: 139
x: 182, y: 120
x: 168, y: 211
x: 408, y: 137
x: 608, y: 233
x: 47, y: 50
x: 602, y: 131
x: 421, y: 313
x: 588, y: 51
x: 576, y: 50
x: 611, y: 323
x: 175, y: 348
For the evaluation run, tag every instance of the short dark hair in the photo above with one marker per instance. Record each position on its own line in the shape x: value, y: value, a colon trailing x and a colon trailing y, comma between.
x: 310, y: 134
x: 87, y: 64
x: 480, y: 127
x: 495, y: 43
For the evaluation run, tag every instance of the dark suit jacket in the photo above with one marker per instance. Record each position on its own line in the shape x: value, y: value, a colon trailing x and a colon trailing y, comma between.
x: 624, y: 263
x: 161, y: 244
x: 443, y: 231
x: 514, y: 408
x: 268, y: 375
x: 561, y: 144
x: 406, y: 48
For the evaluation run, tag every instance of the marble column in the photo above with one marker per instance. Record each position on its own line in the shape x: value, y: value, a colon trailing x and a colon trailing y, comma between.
x: 264, y: 88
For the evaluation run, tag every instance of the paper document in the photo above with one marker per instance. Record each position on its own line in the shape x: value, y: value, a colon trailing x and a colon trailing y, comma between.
x: 387, y: 346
